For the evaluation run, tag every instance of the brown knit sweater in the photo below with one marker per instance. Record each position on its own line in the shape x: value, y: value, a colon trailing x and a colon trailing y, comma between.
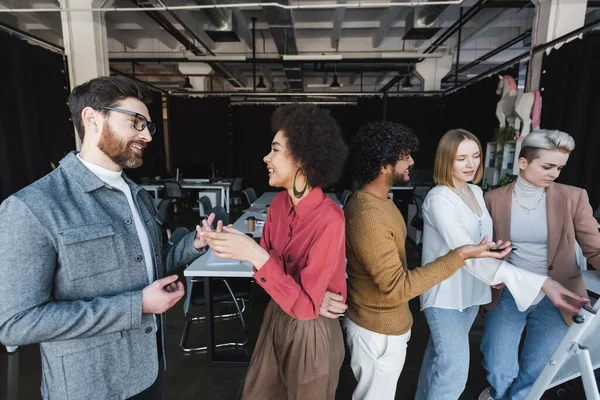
x: 379, y: 283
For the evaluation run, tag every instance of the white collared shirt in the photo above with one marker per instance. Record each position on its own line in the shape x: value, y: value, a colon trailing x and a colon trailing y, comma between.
x: 450, y: 223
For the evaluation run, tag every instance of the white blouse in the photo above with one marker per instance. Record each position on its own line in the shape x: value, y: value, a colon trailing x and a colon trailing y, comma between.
x: 450, y: 223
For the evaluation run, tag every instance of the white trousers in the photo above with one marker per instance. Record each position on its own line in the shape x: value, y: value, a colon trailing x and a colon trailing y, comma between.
x: 376, y: 360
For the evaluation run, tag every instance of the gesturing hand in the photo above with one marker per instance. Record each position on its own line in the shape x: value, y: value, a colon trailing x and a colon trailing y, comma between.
x: 560, y: 296
x: 200, y: 241
x: 161, y: 295
x: 482, y: 250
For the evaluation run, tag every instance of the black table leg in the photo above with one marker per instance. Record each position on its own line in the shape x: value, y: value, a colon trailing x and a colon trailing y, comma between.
x: 210, y: 329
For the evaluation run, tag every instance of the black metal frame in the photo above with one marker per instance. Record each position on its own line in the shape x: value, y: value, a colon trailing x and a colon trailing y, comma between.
x: 209, y: 318
x: 210, y: 330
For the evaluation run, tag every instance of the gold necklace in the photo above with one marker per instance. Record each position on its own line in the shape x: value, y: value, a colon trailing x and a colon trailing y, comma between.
x: 528, y: 209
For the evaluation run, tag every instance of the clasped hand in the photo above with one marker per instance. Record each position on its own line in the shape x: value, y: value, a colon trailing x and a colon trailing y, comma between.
x: 227, y: 242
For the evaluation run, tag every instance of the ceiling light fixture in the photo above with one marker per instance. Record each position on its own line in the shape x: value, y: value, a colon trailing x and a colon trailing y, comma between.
x: 335, y: 84
x: 187, y: 84
x: 261, y: 84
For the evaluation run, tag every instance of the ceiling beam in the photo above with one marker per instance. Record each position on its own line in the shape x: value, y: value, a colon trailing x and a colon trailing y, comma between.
x: 380, y: 79
x: 232, y: 77
x: 122, y: 37
x: 151, y: 29
x: 484, y: 25
x: 338, y: 18
x: 240, y: 27
x: 387, y: 20
x: 191, y: 23
x: 281, y: 26
x: 489, y: 55
x: 445, y: 35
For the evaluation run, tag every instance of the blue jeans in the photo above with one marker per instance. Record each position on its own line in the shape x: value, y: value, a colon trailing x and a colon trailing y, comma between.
x: 445, y: 365
x: 511, y: 377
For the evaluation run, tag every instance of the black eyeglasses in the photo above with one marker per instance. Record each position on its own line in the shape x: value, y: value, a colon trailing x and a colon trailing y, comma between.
x: 139, y: 123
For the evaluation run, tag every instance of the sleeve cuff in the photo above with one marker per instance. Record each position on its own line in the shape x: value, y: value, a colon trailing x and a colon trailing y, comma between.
x: 136, y: 310
x: 454, y: 260
x: 191, y: 251
x: 269, y: 274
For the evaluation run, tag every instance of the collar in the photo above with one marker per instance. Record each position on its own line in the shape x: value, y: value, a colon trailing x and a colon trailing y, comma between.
x: 306, y: 205
x: 85, y: 178
x: 80, y: 174
x: 554, y: 189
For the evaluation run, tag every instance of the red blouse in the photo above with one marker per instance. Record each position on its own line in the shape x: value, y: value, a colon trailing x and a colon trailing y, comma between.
x: 308, y: 253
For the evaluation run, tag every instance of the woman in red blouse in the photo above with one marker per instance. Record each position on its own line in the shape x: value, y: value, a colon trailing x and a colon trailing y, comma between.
x: 302, y: 255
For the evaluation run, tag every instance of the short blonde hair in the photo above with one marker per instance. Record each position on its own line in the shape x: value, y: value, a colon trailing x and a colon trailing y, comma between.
x: 446, y: 153
x: 544, y: 139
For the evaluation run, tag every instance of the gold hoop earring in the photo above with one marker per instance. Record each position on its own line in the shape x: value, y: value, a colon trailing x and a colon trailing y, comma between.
x: 298, y: 194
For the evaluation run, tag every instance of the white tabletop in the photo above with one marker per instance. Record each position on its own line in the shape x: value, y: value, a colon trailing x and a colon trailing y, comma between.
x: 232, y: 269
x: 592, y: 281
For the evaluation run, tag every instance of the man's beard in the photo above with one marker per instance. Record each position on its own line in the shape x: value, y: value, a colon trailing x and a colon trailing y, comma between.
x: 398, y: 178
x: 118, y: 151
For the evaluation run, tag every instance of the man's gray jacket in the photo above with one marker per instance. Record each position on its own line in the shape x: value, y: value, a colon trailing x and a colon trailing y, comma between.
x: 71, y: 277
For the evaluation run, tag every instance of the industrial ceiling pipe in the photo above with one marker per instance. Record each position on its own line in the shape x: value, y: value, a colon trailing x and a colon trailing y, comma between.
x: 316, y: 6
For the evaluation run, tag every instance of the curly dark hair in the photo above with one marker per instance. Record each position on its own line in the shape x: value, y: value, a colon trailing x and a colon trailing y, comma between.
x: 314, y: 141
x: 378, y: 144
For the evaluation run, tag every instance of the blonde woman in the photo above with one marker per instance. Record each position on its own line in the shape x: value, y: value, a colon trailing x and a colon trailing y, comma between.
x: 543, y: 219
x: 454, y: 213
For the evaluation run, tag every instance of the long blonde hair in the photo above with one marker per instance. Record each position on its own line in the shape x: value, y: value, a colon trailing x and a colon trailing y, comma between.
x: 446, y: 153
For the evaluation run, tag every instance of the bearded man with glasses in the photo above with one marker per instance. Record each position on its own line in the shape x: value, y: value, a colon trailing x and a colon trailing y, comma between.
x: 81, y: 259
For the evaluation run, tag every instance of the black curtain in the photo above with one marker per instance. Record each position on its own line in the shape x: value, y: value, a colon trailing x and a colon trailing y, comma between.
x: 35, y: 129
x: 155, y: 163
x: 348, y: 120
x: 474, y: 109
x: 571, y: 103
x: 369, y: 109
x: 200, y: 136
x: 252, y: 137
x: 423, y: 114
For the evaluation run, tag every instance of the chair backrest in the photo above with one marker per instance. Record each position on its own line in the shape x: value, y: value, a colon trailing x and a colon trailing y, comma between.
x: 163, y: 208
x: 178, y: 235
x: 173, y: 190
x: 345, y: 196
x: 250, y: 195
x: 421, y: 191
x: 418, y: 200
x: 206, y: 205
x: 417, y: 221
x: 220, y: 215
x: 236, y: 186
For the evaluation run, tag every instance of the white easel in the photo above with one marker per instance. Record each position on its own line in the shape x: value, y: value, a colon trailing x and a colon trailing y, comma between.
x: 572, y: 357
